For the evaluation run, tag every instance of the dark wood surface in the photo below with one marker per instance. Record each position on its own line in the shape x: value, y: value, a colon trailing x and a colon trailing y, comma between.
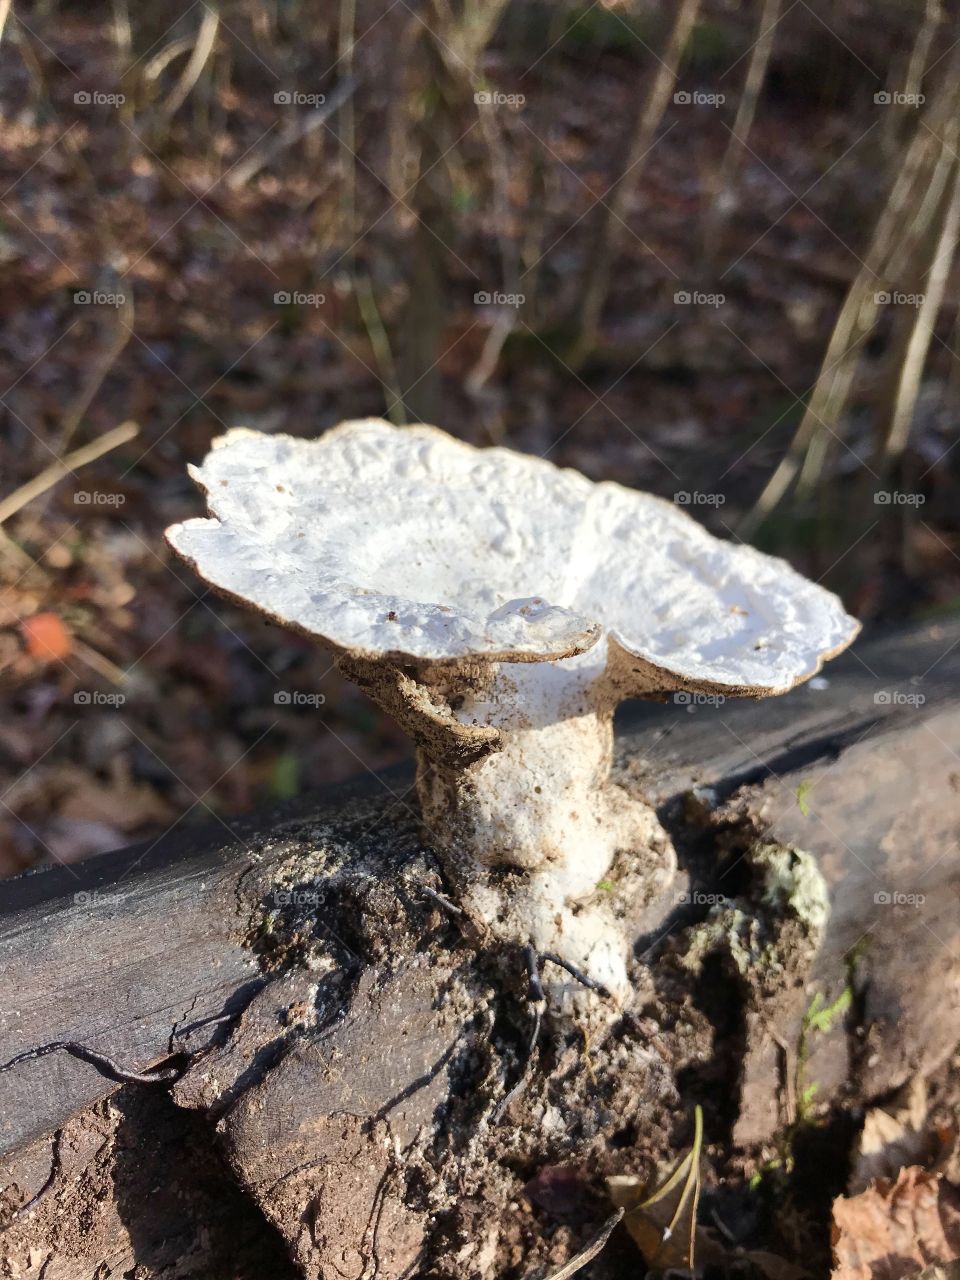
x: 142, y: 953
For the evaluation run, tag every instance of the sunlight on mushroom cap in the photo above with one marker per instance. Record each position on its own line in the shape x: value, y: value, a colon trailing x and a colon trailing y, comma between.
x: 404, y: 542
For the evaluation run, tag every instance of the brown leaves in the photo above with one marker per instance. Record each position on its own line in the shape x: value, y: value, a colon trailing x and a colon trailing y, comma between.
x: 895, y: 1228
x: 899, y: 1216
x: 893, y: 1137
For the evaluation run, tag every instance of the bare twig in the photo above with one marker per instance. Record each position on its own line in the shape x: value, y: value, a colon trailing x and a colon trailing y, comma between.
x: 910, y: 253
x: 55, y: 1166
x: 486, y: 363
x: 920, y: 53
x: 383, y: 352
x: 537, y: 999
x: 854, y: 322
x: 169, y: 53
x: 594, y: 1246
x: 102, y: 364
x: 262, y: 156
x: 919, y: 345
x: 347, y: 124
x: 202, y: 49
x: 442, y: 900
x: 122, y: 30
x: 49, y: 476
x: 505, y: 320
x: 746, y: 110
x: 97, y: 662
x: 106, y: 1066
x: 590, y: 983
x: 521, y: 1081
x: 616, y: 207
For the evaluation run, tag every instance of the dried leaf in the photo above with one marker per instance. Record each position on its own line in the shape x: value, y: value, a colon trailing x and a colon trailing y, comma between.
x: 46, y: 637
x: 122, y: 802
x: 558, y: 1188
x: 663, y: 1224
x: 892, y: 1138
x: 893, y: 1228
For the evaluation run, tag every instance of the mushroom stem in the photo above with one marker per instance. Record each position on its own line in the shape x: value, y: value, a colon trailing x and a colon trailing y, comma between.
x: 543, y: 808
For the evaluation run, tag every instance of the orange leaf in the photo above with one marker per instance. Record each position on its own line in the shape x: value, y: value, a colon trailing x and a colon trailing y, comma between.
x: 894, y: 1228
x: 46, y: 636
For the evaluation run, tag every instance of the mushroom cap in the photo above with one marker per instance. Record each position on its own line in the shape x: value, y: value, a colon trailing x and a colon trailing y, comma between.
x: 405, y: 544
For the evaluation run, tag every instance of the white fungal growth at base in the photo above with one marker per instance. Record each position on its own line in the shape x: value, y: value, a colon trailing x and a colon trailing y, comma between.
x: 544, y: 804
x: 500, y: 607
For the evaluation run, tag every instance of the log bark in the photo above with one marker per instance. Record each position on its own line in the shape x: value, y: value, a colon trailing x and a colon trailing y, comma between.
x: 343, y: 1049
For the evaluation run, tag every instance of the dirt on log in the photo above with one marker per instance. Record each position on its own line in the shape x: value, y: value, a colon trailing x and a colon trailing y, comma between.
x: 342, y: 1051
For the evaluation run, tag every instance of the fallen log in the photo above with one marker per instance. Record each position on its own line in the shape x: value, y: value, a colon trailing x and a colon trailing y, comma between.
x: 298, y: 990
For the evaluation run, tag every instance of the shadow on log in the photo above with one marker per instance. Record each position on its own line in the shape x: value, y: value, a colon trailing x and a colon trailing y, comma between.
x: 344, y: 1051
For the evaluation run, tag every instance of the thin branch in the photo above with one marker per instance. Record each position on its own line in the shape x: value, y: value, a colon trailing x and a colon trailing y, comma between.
x: 856, y: 318
x: 616, y: 207
x: 102, y: 365
x: 920, y: 54
x: 56, y: 471
x: 206, y: 39
x: 169, y: 53
x: 746, y: 111
x: 109, y: 1069
x: 265, y: 155
x: 382, y: 351
x: 347, y: 124
x: 593, y: 1247
x: 911, y: 371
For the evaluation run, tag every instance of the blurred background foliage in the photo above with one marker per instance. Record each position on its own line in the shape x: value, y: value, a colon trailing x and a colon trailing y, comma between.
x: 703, y: 248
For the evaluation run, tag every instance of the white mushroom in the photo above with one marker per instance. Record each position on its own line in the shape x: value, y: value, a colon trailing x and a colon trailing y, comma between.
x: 500, y: 608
